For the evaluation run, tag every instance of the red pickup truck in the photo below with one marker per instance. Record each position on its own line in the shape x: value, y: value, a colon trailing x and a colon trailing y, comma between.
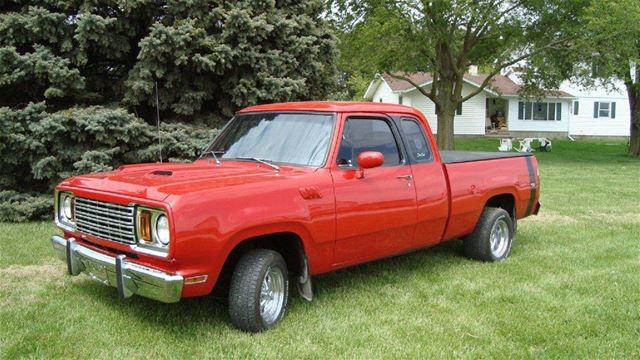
x: 285, y: 192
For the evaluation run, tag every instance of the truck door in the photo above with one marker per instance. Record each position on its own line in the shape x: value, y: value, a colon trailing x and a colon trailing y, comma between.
x: 430, y: 182
x: 375, y: 214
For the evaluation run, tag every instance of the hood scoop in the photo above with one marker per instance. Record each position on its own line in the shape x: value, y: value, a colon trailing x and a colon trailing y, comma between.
x: 162, y: 172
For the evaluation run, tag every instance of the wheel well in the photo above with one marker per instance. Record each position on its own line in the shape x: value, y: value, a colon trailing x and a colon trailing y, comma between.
x: 504, y: 201
x: 288, y: 244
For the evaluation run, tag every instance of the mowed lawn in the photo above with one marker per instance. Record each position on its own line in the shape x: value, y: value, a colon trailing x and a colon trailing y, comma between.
x: 571, y: 289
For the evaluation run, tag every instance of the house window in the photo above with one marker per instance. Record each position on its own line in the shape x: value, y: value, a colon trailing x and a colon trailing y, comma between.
x: 400, y: 99
x: 576, y: 107
x: 539, y: 111
x: 603, y: 109
x: 459, y: 109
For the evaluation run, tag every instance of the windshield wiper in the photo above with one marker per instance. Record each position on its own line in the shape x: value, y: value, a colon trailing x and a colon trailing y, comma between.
x: 213, y: 152
x: 261, y: 161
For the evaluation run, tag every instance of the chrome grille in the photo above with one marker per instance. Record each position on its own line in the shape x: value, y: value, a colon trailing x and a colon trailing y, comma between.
x: 105, y: 220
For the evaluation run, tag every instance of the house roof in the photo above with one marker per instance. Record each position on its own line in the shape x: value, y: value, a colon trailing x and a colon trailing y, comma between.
x: 500, y: 84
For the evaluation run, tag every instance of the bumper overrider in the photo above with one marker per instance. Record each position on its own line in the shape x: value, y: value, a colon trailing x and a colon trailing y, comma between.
x: 128, y: 277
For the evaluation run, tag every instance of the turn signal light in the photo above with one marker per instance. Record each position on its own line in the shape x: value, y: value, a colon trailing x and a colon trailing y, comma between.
x: 195, y: 279
x: 144, y: 221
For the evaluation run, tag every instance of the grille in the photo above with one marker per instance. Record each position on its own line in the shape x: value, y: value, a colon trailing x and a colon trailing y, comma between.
x: 105, y: 220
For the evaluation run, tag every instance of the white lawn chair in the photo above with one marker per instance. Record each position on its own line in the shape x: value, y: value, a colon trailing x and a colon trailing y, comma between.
x: 525, y: 145
x: 505, y: 145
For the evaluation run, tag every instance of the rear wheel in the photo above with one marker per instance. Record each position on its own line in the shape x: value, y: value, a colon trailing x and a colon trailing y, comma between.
x: 259, y: 291
x: 492, y: 238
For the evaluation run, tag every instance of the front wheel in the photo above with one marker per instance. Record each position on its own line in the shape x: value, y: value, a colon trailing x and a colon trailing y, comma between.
x: 491, y: 239
x: 259, y: 291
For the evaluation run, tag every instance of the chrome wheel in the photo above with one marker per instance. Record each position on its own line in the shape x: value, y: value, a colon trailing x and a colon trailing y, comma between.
x: 272, y: 294
x: 499, y: 238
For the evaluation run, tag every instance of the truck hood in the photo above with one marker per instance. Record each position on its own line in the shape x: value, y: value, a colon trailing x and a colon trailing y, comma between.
x: 156, y: 181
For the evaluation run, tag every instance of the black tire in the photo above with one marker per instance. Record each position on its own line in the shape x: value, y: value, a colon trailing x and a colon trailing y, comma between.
x: 246, y: 286
x: 478, y: 244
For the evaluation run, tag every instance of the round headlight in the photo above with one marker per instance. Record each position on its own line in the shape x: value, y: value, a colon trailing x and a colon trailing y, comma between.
x: 67, y: 204
x: 162, y: 229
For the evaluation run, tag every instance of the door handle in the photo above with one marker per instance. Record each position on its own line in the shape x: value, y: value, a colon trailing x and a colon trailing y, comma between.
x: 406, y: 177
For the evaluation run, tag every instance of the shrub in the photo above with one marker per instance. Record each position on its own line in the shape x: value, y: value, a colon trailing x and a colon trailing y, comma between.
x: 20, y: 207
x: 38, y: 149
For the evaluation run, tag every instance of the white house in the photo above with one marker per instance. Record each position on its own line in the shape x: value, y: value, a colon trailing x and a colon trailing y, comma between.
x: 500, y: 110
x: 598, y: 112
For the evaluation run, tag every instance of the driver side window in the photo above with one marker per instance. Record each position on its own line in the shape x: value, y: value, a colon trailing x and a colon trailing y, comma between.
x: 365, y: 134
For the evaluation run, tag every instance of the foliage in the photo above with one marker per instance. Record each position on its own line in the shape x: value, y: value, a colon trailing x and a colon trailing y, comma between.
x: 444, y: 38
x: 38, y: 148
x: 206, y: 57
x: 605, y: 50
x: 21, y: 207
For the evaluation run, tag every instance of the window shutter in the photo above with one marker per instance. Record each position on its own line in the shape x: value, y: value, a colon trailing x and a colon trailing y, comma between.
x: 559, y: 111
x: 520, y: 110
x: 576, y: 107
x: 595, y: 109
x: 459, y: 109
x: 613, y: 110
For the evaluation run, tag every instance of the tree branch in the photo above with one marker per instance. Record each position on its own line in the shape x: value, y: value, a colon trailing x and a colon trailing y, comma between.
x: 503, y: 65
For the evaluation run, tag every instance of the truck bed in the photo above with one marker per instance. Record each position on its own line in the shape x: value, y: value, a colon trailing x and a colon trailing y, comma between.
x: 452, y: 157
x: 475, y: 177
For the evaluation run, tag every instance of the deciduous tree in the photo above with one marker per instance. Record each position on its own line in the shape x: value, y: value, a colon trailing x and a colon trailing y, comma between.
x: 604, y: 50
x: 444, y: 38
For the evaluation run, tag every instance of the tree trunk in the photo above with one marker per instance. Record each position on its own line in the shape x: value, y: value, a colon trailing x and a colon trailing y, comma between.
x: 446, y: 108
x: 634, y: 127
x: 445, y: 129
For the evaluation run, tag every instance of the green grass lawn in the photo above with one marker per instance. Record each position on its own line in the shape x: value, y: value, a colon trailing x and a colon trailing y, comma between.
x: 570, y: 289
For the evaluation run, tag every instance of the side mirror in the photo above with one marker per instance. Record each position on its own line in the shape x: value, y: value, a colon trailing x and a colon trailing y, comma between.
x: 368, y: 160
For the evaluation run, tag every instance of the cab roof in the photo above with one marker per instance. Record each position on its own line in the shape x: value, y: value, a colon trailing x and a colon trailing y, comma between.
x: 332, y: 106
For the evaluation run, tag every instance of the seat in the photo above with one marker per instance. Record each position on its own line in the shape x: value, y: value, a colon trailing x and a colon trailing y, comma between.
x: 505, y: 145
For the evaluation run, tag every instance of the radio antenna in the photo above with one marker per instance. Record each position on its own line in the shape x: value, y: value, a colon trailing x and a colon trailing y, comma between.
x: 158, y: 121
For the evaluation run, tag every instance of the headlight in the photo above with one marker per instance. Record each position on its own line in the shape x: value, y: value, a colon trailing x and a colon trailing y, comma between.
x: 66, y: 210
x: 153, y: 231
x: 162, y: 229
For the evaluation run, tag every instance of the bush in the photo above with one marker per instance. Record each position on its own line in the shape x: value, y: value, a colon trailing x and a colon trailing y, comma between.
x: 38, y: 149
x: 19, y: 207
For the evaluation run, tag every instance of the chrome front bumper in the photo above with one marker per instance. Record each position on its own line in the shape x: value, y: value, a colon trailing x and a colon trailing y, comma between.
x: 128, y: 277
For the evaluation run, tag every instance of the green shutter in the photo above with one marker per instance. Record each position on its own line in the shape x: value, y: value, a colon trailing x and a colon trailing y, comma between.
x: 613, y: 110
x: 558, y: 111
x: 595, y: 109
x: 521, y: 110
x: 459, y: 109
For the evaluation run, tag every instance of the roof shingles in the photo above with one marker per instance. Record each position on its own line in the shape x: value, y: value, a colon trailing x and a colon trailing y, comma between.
x: 500, y: 84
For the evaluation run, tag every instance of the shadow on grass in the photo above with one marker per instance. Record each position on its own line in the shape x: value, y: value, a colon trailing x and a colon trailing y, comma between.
x: 183, y: 319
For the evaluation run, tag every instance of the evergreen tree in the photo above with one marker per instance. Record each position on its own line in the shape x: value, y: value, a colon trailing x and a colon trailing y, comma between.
x: 206, y: 56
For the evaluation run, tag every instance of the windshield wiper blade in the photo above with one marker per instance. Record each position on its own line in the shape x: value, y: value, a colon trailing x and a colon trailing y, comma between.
x: 213, y: 152
x: 261, y: 161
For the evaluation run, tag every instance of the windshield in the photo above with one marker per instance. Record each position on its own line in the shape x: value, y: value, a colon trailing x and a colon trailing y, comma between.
x: 300, y: 139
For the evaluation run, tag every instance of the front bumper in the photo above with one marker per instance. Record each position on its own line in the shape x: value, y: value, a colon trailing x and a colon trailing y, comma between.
x: 128, y: 277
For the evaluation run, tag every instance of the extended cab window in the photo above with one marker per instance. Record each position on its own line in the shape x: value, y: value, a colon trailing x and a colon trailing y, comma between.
x: 417, y: 144
x: 361, y: 134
